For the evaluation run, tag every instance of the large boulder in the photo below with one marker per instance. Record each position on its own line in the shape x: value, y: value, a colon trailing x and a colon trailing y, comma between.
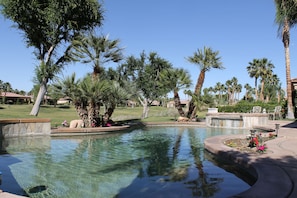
x: 76, y: 124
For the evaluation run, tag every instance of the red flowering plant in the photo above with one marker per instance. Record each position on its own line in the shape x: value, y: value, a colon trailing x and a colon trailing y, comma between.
x: 261, y: 148
x: 254, y: 142
x: 257, y: 142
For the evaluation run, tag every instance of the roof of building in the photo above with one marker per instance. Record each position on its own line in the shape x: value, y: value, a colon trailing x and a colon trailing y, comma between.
x: 13, y: 95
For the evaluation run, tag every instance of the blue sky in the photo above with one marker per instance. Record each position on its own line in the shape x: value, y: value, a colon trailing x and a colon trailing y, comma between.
x: 239, y: 30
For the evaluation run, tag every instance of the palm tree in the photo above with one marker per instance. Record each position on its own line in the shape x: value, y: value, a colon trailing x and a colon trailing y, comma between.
x: 97, y: 50
x: 254, y: 72
x: 206, y: 59
x: 233, y: 86
x: 92, y: 91
x: 286, y: 18
x: 271, y: 87
x: 229, y: 91
x: 178, y: 79
x: 112, y: 96
x: 265, y: 72
x: 70, y: 86
x: 248, y: 91
x: 220, y: 88
x: 238, y: 89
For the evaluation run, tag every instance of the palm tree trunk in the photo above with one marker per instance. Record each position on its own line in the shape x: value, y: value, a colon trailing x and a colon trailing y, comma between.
x: 256, y: 89
x: 191, y: 108
x: 198, y: 87
x: 286, y: 41
x: 262, y: 89
x: 200, y: 82
x: 178, y: 104
x: 91, y: 114
x: 109, y: 112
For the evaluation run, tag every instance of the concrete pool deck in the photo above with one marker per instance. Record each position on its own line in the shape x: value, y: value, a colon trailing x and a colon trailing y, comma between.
x: 276, y: 169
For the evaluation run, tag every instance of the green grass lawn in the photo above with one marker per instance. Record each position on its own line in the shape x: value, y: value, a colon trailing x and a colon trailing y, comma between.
x: 60, y: 113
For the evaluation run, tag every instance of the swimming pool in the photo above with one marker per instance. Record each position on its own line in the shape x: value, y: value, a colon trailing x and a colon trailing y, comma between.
x: 150, y: 162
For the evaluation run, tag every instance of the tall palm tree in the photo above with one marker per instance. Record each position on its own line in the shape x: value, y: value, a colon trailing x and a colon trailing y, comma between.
x: 286, y: 18
x: 206, y: 59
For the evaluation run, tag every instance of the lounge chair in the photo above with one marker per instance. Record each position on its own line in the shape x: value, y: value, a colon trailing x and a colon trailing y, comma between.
x: 276, y: 113
x: 256, y: 109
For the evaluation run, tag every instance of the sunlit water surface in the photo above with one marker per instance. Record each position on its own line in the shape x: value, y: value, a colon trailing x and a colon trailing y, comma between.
x: 155, y: 162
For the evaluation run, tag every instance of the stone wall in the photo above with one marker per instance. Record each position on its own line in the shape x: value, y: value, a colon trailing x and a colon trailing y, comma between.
x: 236, y: 120
x: 24, y: 127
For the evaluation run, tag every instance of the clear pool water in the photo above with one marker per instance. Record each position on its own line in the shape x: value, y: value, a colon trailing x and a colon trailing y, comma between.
x: 153, y: 162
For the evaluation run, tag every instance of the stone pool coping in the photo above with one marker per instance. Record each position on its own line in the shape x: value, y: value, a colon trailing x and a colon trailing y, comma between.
x: 24, y: 127
x: 24, y: 120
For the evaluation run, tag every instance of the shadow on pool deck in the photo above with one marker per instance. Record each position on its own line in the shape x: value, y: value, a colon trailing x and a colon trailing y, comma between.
x: 276, y: 170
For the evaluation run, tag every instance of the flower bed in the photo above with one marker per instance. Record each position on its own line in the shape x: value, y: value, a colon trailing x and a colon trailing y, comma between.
x: 250, y: 144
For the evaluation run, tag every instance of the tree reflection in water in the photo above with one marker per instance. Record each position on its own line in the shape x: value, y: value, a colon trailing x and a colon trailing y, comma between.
x: 155, y: 162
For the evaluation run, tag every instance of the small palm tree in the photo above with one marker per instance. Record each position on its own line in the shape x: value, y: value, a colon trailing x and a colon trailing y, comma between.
x: 92, y: 91
x: 178, y: 79
x: 112, y: 96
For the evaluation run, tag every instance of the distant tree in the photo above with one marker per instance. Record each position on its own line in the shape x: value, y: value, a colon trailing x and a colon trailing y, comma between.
x: 271, y: 88
x: 254, y: 72
x: 234, y: 87
x: 229, y: 91
x: 220, y: 88
x: 206, y: 59
x: 265, y: 73
x: 50, y: 26
x: 248, y: 92
x: 286, y: 18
